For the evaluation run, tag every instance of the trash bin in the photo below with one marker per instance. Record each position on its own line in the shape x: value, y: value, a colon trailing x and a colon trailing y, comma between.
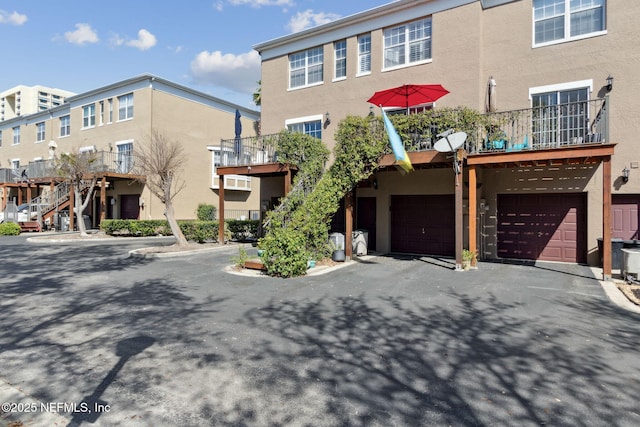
x: 360, y: 242
x: 88, y: 225
x: 337, y: 239
x: 631, y: 266
x: 617, y: 259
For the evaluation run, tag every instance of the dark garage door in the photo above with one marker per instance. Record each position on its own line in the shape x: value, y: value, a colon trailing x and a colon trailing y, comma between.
x: 549, y: 227
x: 423, y: 224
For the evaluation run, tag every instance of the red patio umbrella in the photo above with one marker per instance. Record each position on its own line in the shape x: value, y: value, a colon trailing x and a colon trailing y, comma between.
x: 406, y: 96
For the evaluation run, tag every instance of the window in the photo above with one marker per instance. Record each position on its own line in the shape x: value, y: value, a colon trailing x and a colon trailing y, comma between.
x: 125, y: 157
x: 65, y: 125
x: 40, y: 132
x: 15, y: 164
x: 407, y: 44
x: 125, y: 107
x: 309, y: 125
x: 561, y: 20
x: 364, y: 54
x: 340, y: 52
x: 16, y: 135
x: 231, y: 182
x: 110, y: 102
x: 305, y: 68
x: 101, y: 113
x: 561, y: 117
x: 0, y: 138
x: 89, y: 116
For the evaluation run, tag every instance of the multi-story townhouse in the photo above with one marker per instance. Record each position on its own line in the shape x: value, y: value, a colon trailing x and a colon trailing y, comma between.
x: 559, y: 75
x: 112, y: 121
x: 24, y: 100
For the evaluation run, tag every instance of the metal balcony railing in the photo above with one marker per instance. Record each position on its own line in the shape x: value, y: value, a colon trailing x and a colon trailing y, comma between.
x: 103, y: 161
x: 253, y: 150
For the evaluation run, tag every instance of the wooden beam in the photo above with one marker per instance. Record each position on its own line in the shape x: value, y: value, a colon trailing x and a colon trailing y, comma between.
x: 220, y: 207
x: 473, y: 245
x: 255, y: 170
x: 418, y: 157
x: 348, y: 212
x: 606, y: 218
x: 103, y: 199
x: 459, y: 217
x: 585, y: 150
x: 287, y: 182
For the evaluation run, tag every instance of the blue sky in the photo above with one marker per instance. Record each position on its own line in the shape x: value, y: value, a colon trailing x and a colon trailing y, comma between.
x: 79, y: 45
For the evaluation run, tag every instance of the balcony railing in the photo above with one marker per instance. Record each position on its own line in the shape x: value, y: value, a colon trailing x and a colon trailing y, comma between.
x: 538, y: 128
x: 104, y: 161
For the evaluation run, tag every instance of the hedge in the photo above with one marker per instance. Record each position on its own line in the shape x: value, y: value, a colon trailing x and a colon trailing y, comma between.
x: 9, y: 229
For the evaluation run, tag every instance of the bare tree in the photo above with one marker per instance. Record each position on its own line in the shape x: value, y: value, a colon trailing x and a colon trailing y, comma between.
x: 161, y: 161
x: 77, y: 168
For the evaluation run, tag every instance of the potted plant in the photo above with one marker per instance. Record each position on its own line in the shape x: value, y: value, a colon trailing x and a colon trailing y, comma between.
x: 467, y: 257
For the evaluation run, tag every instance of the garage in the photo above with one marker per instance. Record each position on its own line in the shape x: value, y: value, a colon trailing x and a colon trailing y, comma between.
x: 548, y: 227
x: 423, y: 224
x: 624, y: 209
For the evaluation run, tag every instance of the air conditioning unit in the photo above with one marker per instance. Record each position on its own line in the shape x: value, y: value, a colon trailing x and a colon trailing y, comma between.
x: 631, y: 263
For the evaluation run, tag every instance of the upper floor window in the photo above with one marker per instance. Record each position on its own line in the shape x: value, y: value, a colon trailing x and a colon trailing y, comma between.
x: 407, y: 44
x: 340, y: 49
x: 364, y: 54
x: 125, y: 107
x: 101, y: 113
x: 562, y: 116
x: 40, y: 131
x: 110, y: 112
x: 125, y: 156
x: 310, y: 126
x: 305, y: 68
x: 65, y: 125
x: 0, y: 138
x: 558, y: 20
x: 89, y: 116
x: 16, y: 135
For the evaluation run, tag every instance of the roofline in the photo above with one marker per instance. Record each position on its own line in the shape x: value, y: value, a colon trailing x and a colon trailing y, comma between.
x: 351, y: 20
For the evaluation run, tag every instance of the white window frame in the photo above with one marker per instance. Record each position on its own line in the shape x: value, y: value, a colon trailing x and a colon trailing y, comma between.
x: 0, y: 138
x: 566, y: 14
x: 125, y: 107
x: 15, y: 164
x: 231, y: 182
x: 364, y: 54
x: 16, y: 135
x: 41, y: 131
x: 89, y: 116
x: 110, y: 112
x: 304, y: 61
x: 65, y: 126
x: 289, y: 123
x: 404, y: 42
x: 124, y: 161
x: 340, y: 59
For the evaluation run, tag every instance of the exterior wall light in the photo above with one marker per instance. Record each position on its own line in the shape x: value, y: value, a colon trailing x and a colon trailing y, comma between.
x: 625, y: 174
x: 609, y: 82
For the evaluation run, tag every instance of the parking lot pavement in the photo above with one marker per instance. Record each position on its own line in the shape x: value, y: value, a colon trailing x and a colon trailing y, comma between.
x: 383, y: 341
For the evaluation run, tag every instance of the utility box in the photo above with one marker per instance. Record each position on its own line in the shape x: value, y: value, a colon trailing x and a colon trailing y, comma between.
x: 631, y: 265
x: 360, y: 242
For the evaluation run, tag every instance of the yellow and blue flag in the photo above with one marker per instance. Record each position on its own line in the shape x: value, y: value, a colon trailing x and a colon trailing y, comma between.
x: 402, y: 158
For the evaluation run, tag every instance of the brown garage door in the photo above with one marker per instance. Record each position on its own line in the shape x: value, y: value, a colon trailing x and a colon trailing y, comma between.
x: 550, y: 227
x: 625, y: 210
x: 423, y: 224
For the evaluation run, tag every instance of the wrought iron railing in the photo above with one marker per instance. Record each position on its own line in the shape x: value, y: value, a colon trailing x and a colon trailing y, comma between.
x: 253, y: 150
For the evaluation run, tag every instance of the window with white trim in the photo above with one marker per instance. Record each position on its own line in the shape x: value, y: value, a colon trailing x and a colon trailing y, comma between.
x: 16, y: 135
x: 0, y: 138
x: 562, y: 20
x: 40, y: 132
x: 364, y: 54
x: 65, y: 125
x: 125, y: 107
x: 407, y: 44
x: 226, y: 158
x: 306, y: 68
x: 110, y: 102
x: 561, y: 117
x: 89, y: 116
x: 340, y: 58
x: 15, y: 164
x: 124, y: 162
x: 311, y: 127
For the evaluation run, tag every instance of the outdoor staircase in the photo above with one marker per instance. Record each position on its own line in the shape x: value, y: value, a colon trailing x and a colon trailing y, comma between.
x: 45, y: 206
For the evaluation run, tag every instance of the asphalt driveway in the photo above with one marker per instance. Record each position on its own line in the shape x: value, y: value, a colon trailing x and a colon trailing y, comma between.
x: 384, y: 342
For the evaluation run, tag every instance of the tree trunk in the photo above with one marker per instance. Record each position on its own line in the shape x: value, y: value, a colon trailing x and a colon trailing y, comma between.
x: 173, y: 224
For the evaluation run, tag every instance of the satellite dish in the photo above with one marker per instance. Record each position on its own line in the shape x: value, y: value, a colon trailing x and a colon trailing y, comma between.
x: 450, y: 141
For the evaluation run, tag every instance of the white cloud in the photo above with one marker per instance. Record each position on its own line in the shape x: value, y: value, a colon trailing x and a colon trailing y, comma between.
x: 260, y: 3
x: 236, y: 72
x: 219, y: 5
x: 145, y: 40
x: 309, y: 18
x: 14, y: 18
x: 83, y: 34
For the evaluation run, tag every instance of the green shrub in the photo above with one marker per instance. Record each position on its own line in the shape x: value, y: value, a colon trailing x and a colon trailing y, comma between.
x: 206, y: 212
x: 199, y: 231
x: 194, y: 231
x: 9, y: 229
x: 285, y: 253
x: 242, y: 257
x: 243, y: 229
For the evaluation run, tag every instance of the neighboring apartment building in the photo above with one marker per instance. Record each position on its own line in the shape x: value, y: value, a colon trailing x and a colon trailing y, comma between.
x: 539, y: 196
x: 112, y: 121
x: 24, y: 100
